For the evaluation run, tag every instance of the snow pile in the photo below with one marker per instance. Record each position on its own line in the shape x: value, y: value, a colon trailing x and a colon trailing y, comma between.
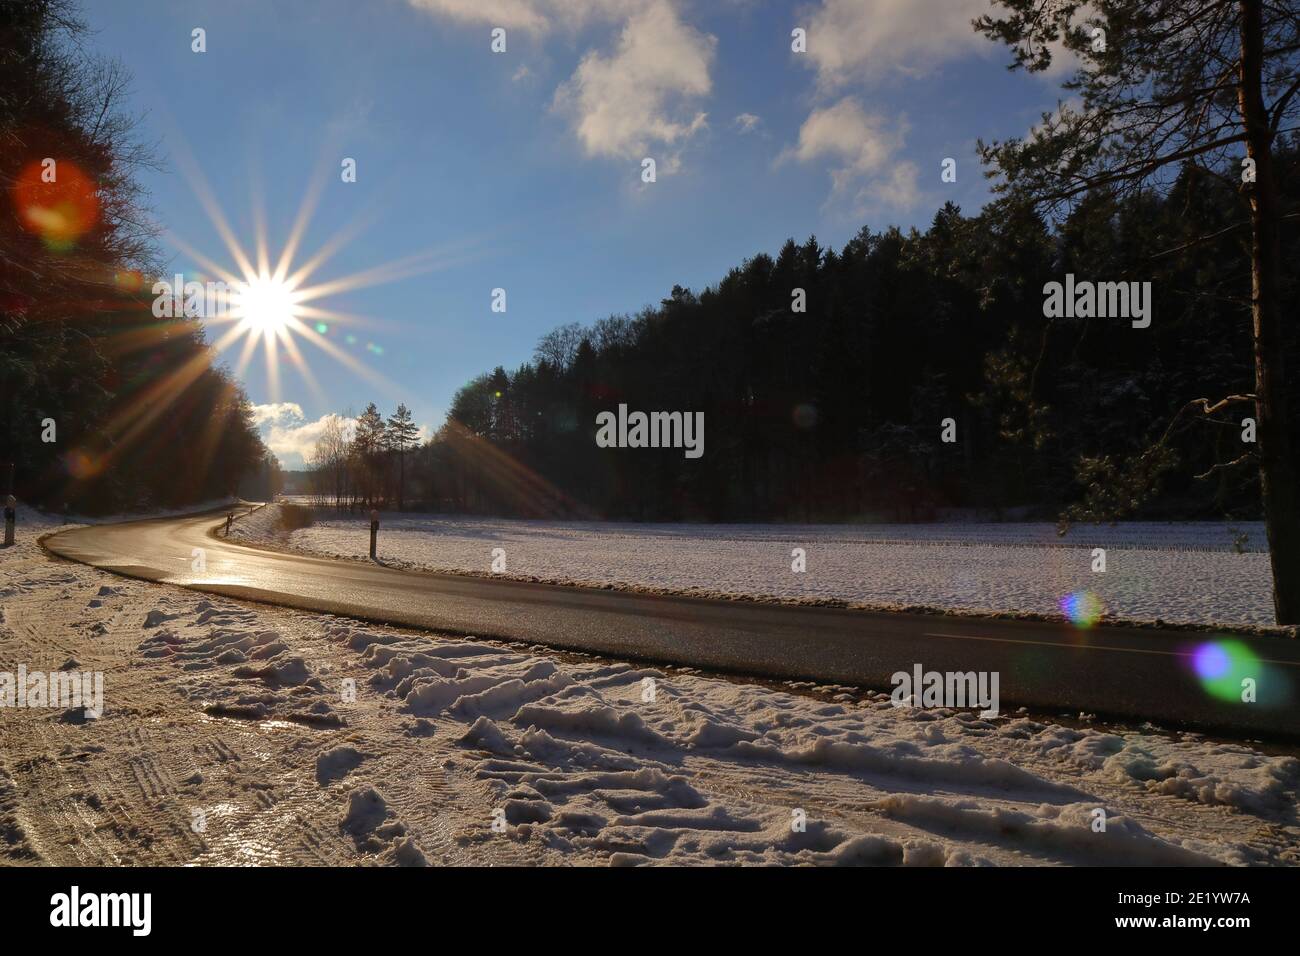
x: 258, y: 526
x: 1192, y: 768
x: 1183, y: 573
x: 640, y: 766
x: 337, y: 762
x: 264, y: 679
x: 377, y: 830
x: 1060, y: 830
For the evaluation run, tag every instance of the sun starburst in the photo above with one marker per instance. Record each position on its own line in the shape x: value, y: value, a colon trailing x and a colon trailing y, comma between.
x: 258, y: 304
x: 276, y: 306
x: 265, y: 304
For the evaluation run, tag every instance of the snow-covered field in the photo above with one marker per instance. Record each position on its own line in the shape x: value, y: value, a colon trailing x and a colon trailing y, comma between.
x: 1179, y: 573
x: 229, y: 736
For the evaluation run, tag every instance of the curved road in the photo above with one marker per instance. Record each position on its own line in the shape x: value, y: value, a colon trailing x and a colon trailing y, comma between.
x: 1047, y: 666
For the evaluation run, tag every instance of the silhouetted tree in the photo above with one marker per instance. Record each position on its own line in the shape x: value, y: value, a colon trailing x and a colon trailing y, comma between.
x: 1164, y: 85
x: 400, y: 435
x: 140, y: 415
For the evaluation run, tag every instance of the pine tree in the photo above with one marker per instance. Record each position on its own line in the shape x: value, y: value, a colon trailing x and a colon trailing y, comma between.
x: 368, y: 447
x: 1163, y: 85
x: 401, y: 434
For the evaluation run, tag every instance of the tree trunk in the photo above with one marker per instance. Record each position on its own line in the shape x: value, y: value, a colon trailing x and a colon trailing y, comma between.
x: 1273, y: 431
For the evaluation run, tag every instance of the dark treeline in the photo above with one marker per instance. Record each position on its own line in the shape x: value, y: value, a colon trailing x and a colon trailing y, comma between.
x: 105, y: 407
x: 835, y: 413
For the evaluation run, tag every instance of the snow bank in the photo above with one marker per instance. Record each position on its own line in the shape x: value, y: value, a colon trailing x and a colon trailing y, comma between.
x: 581, y: 762
x: 1179, y: 573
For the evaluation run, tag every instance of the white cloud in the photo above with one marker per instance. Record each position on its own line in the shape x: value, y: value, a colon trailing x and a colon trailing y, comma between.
x: 286, y: 431
x: 622, y: 104
x: 535, y: 16
x: 850, y: 40
x: 276, y: 412
x: 639, y: 97
x: 746, y: 122
x: 511, y: 14
x: 863, y: 152
x: 863, y: 44
x: 288, y: 434
x: 870, y: 39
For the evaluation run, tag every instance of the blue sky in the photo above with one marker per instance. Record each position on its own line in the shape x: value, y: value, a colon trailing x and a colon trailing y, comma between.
x: 522, y: 170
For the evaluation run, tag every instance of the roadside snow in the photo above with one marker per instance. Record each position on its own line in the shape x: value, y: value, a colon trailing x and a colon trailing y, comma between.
x: 261, y: 524
x: 236, y: 734
x: 1179, y: 573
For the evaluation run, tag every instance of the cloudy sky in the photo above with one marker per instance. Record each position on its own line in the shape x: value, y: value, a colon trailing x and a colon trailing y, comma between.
x: 522, y: 170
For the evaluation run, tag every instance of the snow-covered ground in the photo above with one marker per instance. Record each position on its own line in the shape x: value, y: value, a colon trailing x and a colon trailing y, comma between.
x: 1179, y: 573
x: 230, y: 736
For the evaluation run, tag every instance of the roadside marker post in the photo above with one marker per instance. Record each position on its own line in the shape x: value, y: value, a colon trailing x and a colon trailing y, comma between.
x: 11, y: 517
x: 230, y: 516
x: 374, y: 532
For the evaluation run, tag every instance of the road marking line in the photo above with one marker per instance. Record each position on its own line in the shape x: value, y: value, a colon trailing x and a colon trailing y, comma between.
x: 1090, y: 647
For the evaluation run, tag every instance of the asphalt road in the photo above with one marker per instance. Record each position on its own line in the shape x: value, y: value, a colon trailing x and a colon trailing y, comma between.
x: 1050, y: 667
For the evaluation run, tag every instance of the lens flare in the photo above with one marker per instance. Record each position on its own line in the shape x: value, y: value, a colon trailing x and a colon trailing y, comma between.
x: 1082, y: 608
x: 804, y: 416
x: 82, y: 465
x: 129, y: 280
x: 57, y: 201
x: 1223, y: 665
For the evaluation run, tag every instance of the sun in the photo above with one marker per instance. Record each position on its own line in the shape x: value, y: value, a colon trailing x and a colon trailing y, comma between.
x: 265, y: 304
x: 273, y: 304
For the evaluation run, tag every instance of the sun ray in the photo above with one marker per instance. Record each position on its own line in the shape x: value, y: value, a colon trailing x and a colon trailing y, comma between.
x: 219, y: 271
x: 332, y: 246
x: 199, y: 183
x: 304, y: 311
x: 267, y: 297
x: 351, y: 362
x: 306, y: 209
x: 415, y: 264
x: 246, y: 354
x: 299, y: 363
x: 141, y: 411
x: 272, y: 362
x: 259, y: 234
